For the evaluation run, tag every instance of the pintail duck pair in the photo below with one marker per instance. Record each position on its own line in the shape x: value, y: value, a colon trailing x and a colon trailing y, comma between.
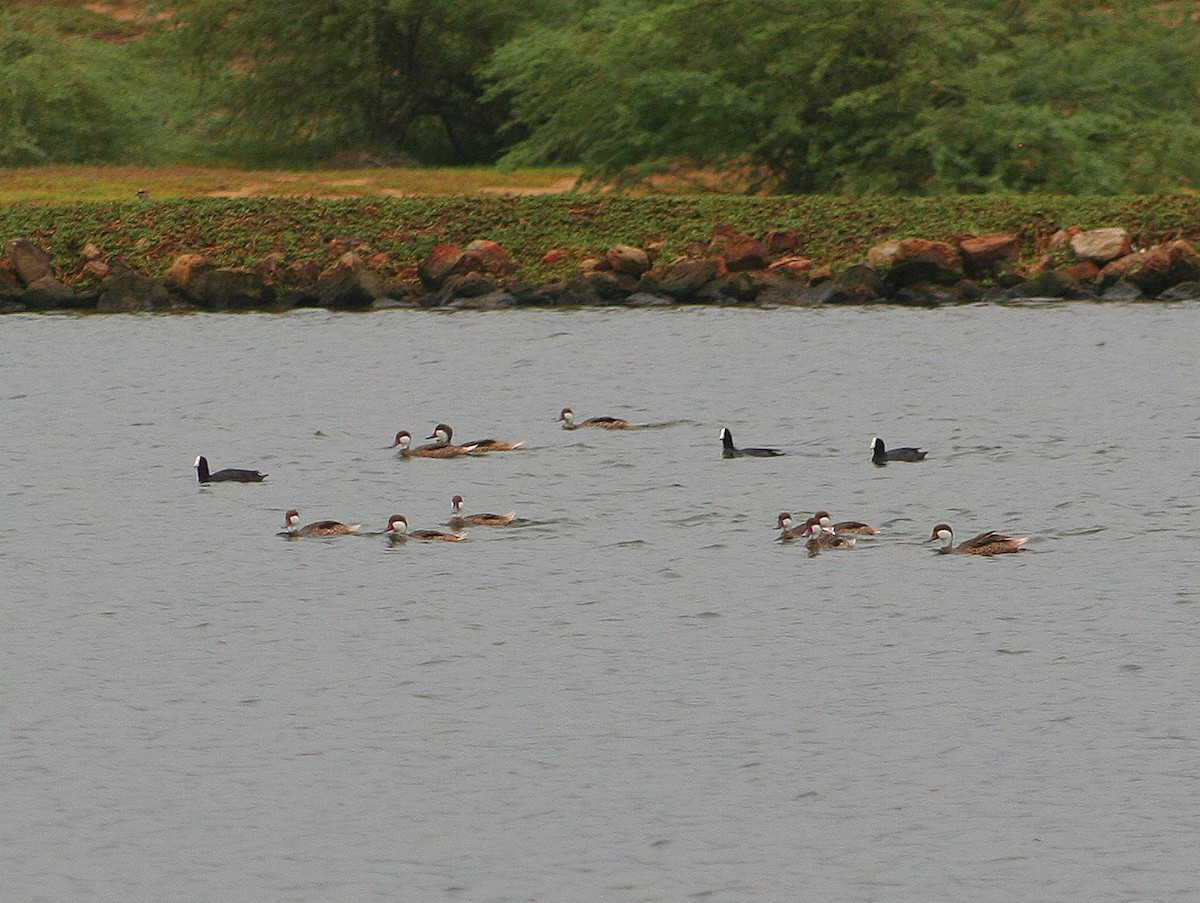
x: 728, y: 449
x: 317, y: 528
x: 880, y: 455
x: 458, y: 519
x: 397, y: 530
x: 567, y: 417
x: 432, y: 450
x: 989, y: 543
x: 442, y: 435
x: 228, y: 475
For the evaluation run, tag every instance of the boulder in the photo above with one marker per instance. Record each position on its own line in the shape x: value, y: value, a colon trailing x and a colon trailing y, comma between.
x: 681, y: 279
x: 1101, y: 245
x: 439, y: 264
x: 739, y: 251
x: 781, y: 241
x: 462, y: 286
x: 627, y: 259
x: 907, y: 261
x: 28, y: 261
x: 1122, y: 291
x: 863, y: 281
x: 186, y: 269
x: 348, y: 285
x: 731, y: 288
x: 127, y: 291
x: 48, y: 293
x: 489, y: 257
x: 231, y: 288
x: 1184, y: 291
x: 1155, y: 269
x: 982, y: 254
x: 792, y: 265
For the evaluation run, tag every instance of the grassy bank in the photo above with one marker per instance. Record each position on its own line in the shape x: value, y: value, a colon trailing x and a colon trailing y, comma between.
x: 835, y: 231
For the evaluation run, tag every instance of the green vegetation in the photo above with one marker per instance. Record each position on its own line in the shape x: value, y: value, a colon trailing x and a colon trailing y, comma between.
x: 832, y: 231
x: 911, y: 97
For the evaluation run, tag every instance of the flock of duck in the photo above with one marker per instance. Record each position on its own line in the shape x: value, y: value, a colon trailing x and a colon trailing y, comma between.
x: 819, y: 531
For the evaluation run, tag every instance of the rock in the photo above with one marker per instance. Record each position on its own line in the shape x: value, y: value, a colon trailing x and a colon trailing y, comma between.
x: 348, y: 285
x: 1101, y: 245
x: 1084, y: 271
x: 186, y: 269
x: 340, y: 246
x: 984, y: 253
x: 231, y: 288
x: 91, y: 252
x: 738, y: 251
x: 781, y: 241
x: 820, y: 274
x: 732, y: 288
x: 28, y: 261
x: 1184, y: 291
x: 924, y: 294
x: 272, y: 267
x: 796, y: 266
x: 645, y: 299
x: 681, y: 279
x: 1155, y: 269
x: 463, y: 286
x: 439, y: 264
x: 908, y: 261
x: 1051, y: 284
x: 94, y: 270
x: 486, y: 257
x: 48, y: 293
x: 863, y: 281
x: 627, y: 259
x: 10, y: 285
x: 128, y: 291
x: 1122, y: 291
x: 301, y: 274
x: 555, y: 255
x: 496, y: 300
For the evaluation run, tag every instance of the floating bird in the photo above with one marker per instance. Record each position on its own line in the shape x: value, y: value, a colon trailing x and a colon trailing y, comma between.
x: 317, y: 528
x: 786, y: 531
x: 432, y: 450
x: 567, y: 416
x: 846, y: 526
x: 818, y: 539
x: 458, y: 519
x: 990, y: 543
x: 442, y: 434
x: 880, y: 455
x: 397, y: 529
x: 730, y: 452
x: 228, y: 475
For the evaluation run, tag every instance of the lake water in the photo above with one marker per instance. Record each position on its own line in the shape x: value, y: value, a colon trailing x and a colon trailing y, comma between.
x: 634, y: 693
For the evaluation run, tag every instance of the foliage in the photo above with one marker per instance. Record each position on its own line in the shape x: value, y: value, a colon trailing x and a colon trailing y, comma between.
x: 385, y: 77
x: 854, y: 96
x: 836, y: 231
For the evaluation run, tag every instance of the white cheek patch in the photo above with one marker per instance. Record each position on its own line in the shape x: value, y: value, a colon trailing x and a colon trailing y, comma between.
x: 196, y: 463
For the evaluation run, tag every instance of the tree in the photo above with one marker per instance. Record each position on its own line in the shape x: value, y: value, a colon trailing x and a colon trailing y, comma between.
x: 851, y: 96
x: 64, y: 101
x: 379, y: 76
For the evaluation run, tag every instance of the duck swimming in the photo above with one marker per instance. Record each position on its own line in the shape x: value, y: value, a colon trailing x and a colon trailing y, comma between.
x: 317, y: 528
x: 989, y: 543
x: 729, y: 451
x: 786, y: 531
x: 228, y: 475
x: 567, y: 416
x: 847, y: 526
x: 458, y: 519
x: 442, y: 435
x: 432, y: 450
x: 880, y: 455
x: 818, y: 539
x: 398, y: 531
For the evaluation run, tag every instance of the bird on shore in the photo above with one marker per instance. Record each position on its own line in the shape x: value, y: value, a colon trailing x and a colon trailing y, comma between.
x: 854, y: 527
x: 317, y: 528
x: 989, y: 543
x: 458, y: 519
x: 442, y: 435
x: 729, y: 451
x: 880, y: 455
x: 398, y: 531
x: 403, y: 441
x: 227, y: 475
x: 567, y: 417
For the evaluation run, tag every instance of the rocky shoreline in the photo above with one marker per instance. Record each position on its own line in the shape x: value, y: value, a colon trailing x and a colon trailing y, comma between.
x: 730, y: 268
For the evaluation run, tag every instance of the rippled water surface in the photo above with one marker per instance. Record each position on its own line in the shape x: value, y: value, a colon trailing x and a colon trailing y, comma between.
x: 634, y: 693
